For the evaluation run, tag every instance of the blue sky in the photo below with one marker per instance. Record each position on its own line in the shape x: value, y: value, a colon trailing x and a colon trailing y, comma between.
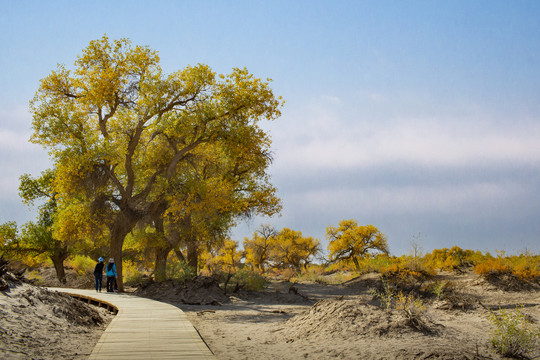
x: 414, y: 116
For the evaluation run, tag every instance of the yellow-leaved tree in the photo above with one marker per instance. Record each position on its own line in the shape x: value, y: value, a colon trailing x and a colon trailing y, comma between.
x: 350, y: 241
x: 290, y: 249
x: 123, y: 134
x: 257, y: 248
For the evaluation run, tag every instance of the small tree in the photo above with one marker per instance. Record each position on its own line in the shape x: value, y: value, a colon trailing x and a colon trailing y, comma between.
x: 290, y: 249
x: 257, y: 248
x: 349, y: 241
x: 226, y: 259
x: 36, y: 238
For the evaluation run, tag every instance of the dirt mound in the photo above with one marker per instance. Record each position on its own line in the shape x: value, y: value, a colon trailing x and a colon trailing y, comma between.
x: 346, y: 319
x: 46, y: 276
x: 509, y: 282
x: 365, y: 281
x: 42, y: 324
x: 201, y: 290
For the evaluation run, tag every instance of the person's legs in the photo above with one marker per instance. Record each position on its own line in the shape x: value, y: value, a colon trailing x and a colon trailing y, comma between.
x: 110, y: 283
x: 96, y: 278
x: 99, y: 280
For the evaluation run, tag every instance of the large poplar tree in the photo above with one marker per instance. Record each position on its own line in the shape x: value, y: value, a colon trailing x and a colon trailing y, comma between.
x: 120, y: 132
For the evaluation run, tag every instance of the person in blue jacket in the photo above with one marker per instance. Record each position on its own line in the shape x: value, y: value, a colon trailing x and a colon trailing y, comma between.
x: 111, y: 275
x: 98, y: 274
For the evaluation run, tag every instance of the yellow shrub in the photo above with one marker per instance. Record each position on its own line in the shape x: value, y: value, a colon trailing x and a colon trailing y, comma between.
x: 492, y: 266
x: 82, y: 264
x: 131, y: 272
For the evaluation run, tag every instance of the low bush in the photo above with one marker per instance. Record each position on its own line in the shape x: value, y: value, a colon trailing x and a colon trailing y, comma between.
x: 386, y: 295
x: 82, y: 264
x: 410, y: 307
x: 514, y: 335
x: 453, y: 259
x: 511, y: 272
x: 406, y: 279
x: 413, y: 310
x: 249, y: 280
x: 131, y: 272
x: 179, y: 271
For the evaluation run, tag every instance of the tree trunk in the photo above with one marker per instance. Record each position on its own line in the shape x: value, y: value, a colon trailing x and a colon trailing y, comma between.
x: 355, y: 260
x: 160, y: 267
x: 193, y: 254
x: 121, y: 226
x: 60, y: 254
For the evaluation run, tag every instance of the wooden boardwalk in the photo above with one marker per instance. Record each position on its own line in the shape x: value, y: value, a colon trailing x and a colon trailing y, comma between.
x: 144, y: 329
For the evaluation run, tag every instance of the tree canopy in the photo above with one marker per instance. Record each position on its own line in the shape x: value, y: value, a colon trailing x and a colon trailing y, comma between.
x: 349, y: 241
x: 127, y: 140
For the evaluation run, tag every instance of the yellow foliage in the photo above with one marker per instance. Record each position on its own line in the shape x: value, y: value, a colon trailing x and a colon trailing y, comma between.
x: 525, y: 267
x: 82, y: 264
x: 132, y: 272
x: 226, y: 259
x: 290, y: 249
x: 351, y: 241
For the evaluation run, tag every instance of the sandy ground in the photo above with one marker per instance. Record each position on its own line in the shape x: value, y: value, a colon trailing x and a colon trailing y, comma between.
x: 308, y: 321
x: 344, y: 322
x: 39, y: 324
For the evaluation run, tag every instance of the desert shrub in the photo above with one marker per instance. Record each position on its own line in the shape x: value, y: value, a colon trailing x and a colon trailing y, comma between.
x: 410, y: 307
x: 283, y: 274
x: 514, y: 335
x: 82, y: 264
x: 438, y: 288
x: 35, y: 277
x: 452, y: 259
x: 249, y: 280
x: 492, y: 266
x: 311, y: 275
x: 404, y: 278
x: 375, y: 263
x: 386, y: 295
x: 179, y: 271
x: 525, y: 266
x: 511, y: 272
x: 413, y: 309
x: 131, y: 272
x: 324, y: 276
x: 339, y: 277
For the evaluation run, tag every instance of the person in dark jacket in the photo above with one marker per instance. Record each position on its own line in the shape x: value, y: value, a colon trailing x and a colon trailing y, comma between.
x: 111, y: 275
x: 98, y: 274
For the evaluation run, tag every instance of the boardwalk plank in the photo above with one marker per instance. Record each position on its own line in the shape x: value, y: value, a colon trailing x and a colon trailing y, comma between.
x: 145, y: 329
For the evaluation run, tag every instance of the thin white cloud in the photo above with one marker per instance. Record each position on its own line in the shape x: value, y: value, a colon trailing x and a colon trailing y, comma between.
x: 324, y: 140
x: 463, y: 199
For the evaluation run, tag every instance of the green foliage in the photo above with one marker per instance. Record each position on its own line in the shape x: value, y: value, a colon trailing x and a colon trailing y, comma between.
x: 8, y: 234
x: 249, y: 279
x: 180, y: 271
x: 375, y: 263
x: 133, y: 274
x: 82, y: 264
x: 386, y: 295
x: 514, y: 335
x: 438, y: 288
x: 35, y: 276
x: 414, y: 311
